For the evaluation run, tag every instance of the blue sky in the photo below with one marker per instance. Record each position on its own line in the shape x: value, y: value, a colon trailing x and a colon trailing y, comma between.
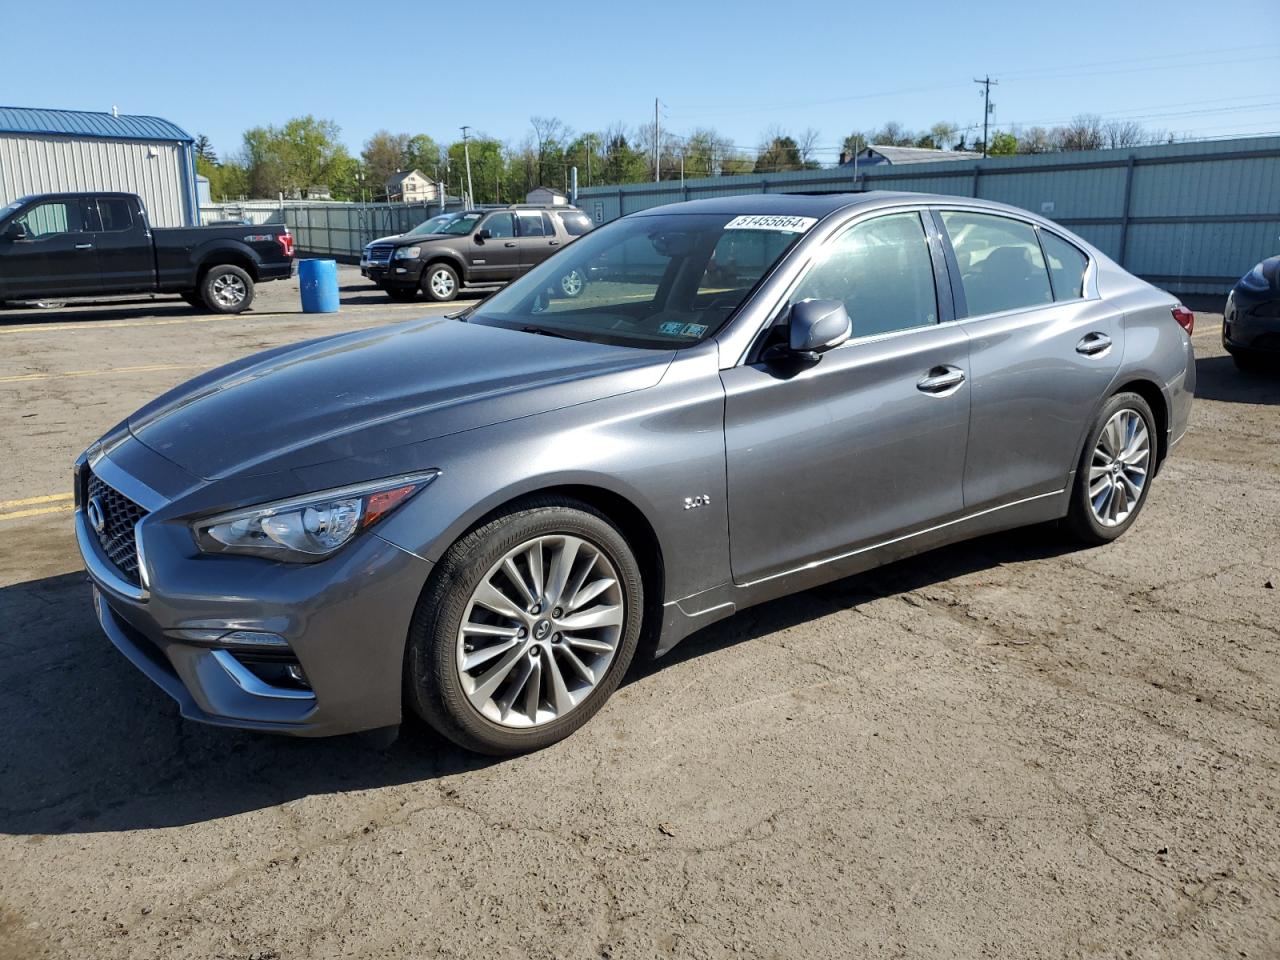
x: 1193, y: 68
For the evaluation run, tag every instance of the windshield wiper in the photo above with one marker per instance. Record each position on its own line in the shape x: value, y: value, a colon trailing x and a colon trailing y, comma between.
x: 543, y: 331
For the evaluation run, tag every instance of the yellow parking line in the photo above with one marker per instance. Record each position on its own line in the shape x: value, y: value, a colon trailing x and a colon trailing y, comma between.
x: 36, y: 512
x: 28, y: 501
x: 148, y: 368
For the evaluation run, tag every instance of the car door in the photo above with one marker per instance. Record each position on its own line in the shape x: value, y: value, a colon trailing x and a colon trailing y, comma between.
x: 495, y: 256
x: 867, y: 443
x: 1043, y: 351
x: 54, y: 256
x: 536, y: 238
x: 122, y: 239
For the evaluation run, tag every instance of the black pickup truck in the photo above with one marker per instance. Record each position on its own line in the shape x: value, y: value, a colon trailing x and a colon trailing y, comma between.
x: 58, y: 246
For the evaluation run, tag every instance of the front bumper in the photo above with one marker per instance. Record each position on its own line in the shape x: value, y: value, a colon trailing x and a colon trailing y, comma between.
x: 345, y: 621
x: 1250, y: 324
x: 397, y: 273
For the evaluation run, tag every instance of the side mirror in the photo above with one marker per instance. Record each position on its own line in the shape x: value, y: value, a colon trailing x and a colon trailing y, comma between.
x: 483, y: 234
x: 15, y: 231
x: 817, y: 326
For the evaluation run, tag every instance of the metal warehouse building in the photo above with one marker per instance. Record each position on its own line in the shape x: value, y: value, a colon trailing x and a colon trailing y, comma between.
x: 47, y: 151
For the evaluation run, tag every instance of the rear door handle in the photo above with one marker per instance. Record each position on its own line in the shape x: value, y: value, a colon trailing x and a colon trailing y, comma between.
x: 942, y: 381
x: 553, y: 243
x: 1094, y: 344
x: 84, y: 246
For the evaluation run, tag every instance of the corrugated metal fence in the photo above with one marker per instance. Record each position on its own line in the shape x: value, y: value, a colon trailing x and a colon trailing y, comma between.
x: 329, y: 229
x: 1191, y: 217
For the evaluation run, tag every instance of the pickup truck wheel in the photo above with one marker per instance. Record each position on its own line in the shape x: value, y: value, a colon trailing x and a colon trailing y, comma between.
x: 440, y: 282
x: 226, y: 289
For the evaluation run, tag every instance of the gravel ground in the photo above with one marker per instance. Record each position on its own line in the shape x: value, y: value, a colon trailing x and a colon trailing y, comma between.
x: 1007, y: 748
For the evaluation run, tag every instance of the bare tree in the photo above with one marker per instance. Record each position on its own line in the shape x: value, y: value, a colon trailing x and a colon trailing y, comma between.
x: 1035, y: 140
x: 1082, y: 133
x: 1123, y: 133
x: 808, y: 144
x: 944, y: 134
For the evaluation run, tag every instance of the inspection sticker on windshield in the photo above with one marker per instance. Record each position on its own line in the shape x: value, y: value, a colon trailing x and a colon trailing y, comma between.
x: 760, y: 222
x: 673, y: 328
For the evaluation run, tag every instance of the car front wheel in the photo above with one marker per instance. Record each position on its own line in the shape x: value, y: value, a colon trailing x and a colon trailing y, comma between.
x: 526, y: 628
x: 1114, y: 471
x: 440, y: 282
x: 572, y: 283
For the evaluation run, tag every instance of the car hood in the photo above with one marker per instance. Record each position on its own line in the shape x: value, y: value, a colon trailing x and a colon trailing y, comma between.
x: 360, y: 393
x: 401, y: 239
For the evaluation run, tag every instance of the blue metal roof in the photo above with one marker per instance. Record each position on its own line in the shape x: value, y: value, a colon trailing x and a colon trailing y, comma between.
x: 83, y: 123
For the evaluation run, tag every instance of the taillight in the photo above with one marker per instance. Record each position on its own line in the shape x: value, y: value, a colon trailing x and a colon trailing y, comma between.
x: 1186, y: 319
x: 286, y: 243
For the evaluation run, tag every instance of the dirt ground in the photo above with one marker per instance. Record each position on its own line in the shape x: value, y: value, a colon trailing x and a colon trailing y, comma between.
x: 1008, y: 748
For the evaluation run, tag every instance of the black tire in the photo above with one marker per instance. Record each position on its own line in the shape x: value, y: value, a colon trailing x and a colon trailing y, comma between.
x: 572, y: 284
x: 440, y: 282
x: 402, y: 294
x: 1081, y: 521
x: 432, y: 683
x: 1247, y: 361
x: 225, y: 277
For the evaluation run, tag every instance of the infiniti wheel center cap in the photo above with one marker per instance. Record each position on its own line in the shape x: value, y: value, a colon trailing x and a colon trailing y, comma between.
x: 541, y: 629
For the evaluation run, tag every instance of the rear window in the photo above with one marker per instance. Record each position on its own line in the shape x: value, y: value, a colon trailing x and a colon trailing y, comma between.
x: 1066, y: 266
x: 1001, y: 266
x: 115, y: 214
x: 576, y: 224
x: 532, y: 224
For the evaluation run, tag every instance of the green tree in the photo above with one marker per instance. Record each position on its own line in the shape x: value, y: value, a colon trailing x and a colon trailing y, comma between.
x: 204, y: 149
x: 423, y: 154
x: 488, y: 169
x: 384, y: 153
x: 294, y: 158
x: 1003, y: 144
x: 777, y: 153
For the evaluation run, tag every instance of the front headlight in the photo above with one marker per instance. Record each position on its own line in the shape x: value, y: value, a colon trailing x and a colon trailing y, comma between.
x: 407, y: 253
x: 309, y: 528
x: 1255, y: 278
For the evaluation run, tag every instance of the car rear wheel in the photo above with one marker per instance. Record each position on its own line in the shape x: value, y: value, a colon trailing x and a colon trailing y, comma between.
x: 440, y: 282
x: 1114, y: 471
x: 526, y: 628
x: 226, y: 289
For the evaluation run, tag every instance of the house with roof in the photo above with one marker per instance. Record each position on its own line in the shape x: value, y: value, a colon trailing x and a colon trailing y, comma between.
x: 411, y: 186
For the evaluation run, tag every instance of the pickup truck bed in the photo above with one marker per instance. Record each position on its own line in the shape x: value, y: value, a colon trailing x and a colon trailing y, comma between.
x: 69, y: 245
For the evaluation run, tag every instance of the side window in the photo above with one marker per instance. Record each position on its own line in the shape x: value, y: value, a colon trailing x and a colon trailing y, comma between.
x: 115, y: 213
x: 1066, y: 266
x: 51, y: 218
x: 530, y: 223
x: 548, y: 228
x: 882, y: 271
x: 575, y: 224
x: 500, y: 225
x: 1001, y: 267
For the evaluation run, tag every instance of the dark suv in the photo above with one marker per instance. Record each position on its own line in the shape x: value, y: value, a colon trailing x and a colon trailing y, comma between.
x: 477, y: 250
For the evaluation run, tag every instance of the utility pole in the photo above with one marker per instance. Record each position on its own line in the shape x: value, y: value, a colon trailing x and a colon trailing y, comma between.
x: 987, y: 84
x: 466, y: 152
x: 657, y: 144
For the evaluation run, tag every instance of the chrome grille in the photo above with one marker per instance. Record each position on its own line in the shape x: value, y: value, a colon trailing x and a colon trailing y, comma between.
x: 381, y: 253
x: 120, y: 516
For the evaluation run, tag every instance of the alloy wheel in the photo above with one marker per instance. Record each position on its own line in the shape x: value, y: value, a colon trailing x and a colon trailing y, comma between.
x: 229, y: 290
x: 540, y: 631
x: 571, y: 283
x: 1118, y: 468
x: 441, y: 283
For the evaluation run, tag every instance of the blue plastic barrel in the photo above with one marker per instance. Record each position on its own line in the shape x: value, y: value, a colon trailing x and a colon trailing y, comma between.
x: 318, y: 280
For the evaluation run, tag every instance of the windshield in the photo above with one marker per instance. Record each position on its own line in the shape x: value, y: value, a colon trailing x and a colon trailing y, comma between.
x: 659, y: 281
x: 11, y: 207
x: 461, y: 224
x: 434, y: 225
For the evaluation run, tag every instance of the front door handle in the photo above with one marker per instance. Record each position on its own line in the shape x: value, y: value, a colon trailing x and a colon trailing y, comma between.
x: 553, y: 243
x: 509, y: 243
x: 941, y: 381
x: 84, y: 246
x: 1094, y: 344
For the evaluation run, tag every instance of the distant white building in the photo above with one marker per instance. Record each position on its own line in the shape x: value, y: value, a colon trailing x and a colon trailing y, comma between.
x: 547, y: 195
x: 411, y: 186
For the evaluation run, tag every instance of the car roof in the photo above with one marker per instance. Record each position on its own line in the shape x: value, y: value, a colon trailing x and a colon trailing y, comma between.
x: 821, y: 205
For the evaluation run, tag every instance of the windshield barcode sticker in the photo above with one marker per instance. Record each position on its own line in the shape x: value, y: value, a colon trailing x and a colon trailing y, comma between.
x: 761, y: 222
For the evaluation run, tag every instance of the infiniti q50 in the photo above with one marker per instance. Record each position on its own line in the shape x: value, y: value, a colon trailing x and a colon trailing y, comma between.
x: 483, y: 518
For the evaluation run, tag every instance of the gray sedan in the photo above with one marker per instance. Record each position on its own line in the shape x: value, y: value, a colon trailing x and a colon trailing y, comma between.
x: 484, y: 518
